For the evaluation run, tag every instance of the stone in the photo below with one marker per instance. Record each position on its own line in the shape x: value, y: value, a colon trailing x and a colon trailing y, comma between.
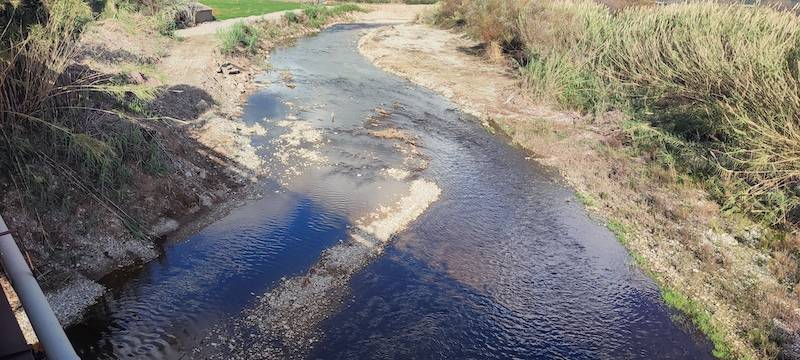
x: 750, y: 237
x: 165, y: 226
x: 229, y: 69
x: 202, y: 106
x: 787, y: 338
x: 205, y: 200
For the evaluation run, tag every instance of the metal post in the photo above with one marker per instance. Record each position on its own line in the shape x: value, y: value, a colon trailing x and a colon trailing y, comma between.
x: 49, y: 331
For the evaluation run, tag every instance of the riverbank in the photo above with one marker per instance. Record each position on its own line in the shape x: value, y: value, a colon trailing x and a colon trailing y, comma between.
x: 671, y: 226
x: 210, y: 165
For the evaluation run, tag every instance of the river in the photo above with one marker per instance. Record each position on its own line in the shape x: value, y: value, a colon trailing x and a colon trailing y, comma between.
x: 505, y: 264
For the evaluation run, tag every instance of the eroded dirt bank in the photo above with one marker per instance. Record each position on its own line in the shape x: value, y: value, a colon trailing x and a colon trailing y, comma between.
x: 673, y: 229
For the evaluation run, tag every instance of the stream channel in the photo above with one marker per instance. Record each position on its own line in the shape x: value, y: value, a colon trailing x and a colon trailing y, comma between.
x: 505, y: 264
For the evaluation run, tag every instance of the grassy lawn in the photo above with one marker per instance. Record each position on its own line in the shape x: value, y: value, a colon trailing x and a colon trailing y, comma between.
x: 229, y: 9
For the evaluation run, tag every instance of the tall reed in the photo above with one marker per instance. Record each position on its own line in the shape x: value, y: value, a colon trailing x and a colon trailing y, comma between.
x: 722, y: 76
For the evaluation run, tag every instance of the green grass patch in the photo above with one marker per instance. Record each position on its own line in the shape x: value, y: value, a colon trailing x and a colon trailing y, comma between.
x: 698, y: 315
x: 619, y: 231
x: 227, y: 9
x: 701, y: 318
x: 317, y: 16
x: 240, y: 37
x: 585, y: 199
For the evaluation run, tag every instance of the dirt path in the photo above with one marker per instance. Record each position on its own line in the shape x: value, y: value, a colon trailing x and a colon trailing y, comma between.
x: 391, y: 13
x: 211, y: 28
x: 377, y: 13
x: 672, y: 227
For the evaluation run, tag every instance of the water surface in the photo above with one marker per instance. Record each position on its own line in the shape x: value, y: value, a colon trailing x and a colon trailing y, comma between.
x: 505, y: 265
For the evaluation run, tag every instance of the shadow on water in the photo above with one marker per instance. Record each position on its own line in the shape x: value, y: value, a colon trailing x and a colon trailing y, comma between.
x: 505, y: 265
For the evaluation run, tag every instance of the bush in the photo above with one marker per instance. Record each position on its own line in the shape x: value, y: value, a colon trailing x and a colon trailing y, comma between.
x: 291, y: 17
x: 53, y: 143
x: 240, y: 37
x: 318, y: 15
x: 163, y: 16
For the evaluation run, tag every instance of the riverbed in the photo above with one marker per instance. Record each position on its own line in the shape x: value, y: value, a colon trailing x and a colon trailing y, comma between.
x: 503, y: 262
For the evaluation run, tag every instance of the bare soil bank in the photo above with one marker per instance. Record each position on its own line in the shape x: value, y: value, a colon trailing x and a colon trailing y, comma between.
x: 672, y: 228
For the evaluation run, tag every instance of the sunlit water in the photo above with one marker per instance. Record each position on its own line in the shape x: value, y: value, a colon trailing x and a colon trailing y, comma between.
x: 505, y: 265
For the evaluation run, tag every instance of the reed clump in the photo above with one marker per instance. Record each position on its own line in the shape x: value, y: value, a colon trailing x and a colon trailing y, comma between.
x: 62, y: 142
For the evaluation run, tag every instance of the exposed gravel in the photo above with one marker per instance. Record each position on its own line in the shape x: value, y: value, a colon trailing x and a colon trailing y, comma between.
x: 289, y: 315
x: 70, y: 301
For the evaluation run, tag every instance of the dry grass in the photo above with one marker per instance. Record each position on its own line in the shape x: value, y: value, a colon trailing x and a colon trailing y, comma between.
x: 53, y: 142
x: 720, y: 76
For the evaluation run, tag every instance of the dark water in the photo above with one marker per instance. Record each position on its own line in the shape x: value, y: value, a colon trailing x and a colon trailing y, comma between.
x: 505, y: 265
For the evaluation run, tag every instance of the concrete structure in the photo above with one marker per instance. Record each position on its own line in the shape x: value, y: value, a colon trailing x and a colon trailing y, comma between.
x: 202, y: 14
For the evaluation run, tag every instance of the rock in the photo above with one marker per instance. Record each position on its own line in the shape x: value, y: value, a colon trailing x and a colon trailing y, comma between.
x: 787, y: 338
x: 205, y: 200
x: 165, y: 226
x: 760, y: 259
x: 750, y: 237
x: 229, y: 69
x: 202, y: 106
x: 719, y: 238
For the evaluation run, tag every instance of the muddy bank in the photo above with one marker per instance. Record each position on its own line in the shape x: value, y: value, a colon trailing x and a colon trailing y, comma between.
x: 674, y: 229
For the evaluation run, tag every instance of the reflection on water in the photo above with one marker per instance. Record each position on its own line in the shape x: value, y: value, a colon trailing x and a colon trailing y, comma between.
x: 505, y: 265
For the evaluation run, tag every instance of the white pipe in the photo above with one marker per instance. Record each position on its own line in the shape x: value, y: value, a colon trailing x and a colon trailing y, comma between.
x: 49, y: 331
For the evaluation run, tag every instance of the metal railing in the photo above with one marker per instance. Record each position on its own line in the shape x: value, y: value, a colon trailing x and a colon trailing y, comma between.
x: 49, y: 331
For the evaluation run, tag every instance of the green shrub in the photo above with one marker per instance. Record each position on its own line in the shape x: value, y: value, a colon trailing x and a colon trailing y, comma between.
x: 240, y: 37
x: 318, y: 15
x: 291, y: 17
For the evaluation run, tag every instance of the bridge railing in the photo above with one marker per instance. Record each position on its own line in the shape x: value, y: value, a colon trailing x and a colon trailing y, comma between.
x: 49, y: 331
